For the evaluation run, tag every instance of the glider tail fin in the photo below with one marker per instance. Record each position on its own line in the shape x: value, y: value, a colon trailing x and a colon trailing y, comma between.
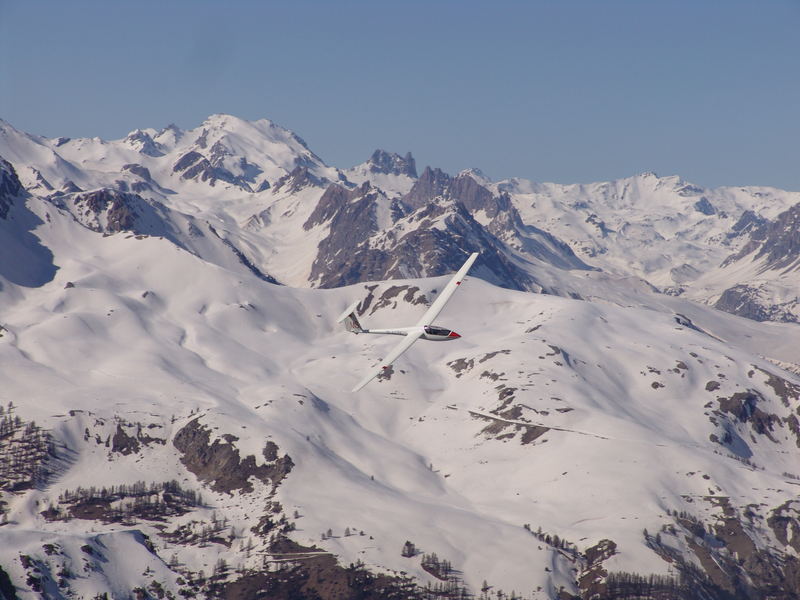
x: 350, y: 319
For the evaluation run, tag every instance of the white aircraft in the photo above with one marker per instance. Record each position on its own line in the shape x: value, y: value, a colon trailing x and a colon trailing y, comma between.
x: 423, y: 329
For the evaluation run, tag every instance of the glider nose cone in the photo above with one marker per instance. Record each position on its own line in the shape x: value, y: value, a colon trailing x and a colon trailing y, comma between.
x: 453, y: 335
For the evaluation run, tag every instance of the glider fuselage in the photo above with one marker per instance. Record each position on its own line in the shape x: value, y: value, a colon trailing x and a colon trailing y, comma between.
x: 423, y: 329
x: 434, y: 333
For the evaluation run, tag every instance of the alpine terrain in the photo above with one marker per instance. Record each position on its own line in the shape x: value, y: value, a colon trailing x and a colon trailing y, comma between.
x: 620, y: 419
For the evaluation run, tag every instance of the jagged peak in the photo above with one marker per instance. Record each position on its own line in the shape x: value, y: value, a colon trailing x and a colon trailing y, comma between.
x: 142, y: 141
x: 298, y: 178
x: 476, y: 174
x: 391, y: 163
x: 170, y: 135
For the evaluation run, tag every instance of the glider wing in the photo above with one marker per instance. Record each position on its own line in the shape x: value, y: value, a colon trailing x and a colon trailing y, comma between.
x: 448, y: 290
x: 404, y: 345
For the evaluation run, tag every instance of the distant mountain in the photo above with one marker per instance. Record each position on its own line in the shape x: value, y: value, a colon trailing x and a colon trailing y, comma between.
x: 174, y: 423
x: 276, y: 206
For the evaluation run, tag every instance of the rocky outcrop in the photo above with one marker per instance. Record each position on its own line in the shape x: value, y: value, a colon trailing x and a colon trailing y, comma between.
x: 138, y: 170
x: 131, y: 443
x: 705, y: 207
x: 10, y: 187
x: 145, y: 144
x: 333, y: 201
x: 777, y: 241
x: 392, y: 164
x: 504, y: 222
x: 753, y: 302
x: 297, y: 179
x: 107, y: 210
x: 428, y: 232
x: 194, y: 165
x: 219, y: 465
x: 431, y: 184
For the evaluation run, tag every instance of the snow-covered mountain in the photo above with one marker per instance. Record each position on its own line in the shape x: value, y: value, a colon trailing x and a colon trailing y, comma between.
x: 676, y: 235
x: 176, y: 424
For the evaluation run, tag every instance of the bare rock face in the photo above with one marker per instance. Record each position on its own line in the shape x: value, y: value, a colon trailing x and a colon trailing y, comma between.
x: 742, y: 300
x: 194, y: 165
x: 432, y: 183
x: 777, y: 240
x: 334, y: 200
x: 780, y: 240
x: 504, y: 222
x: 131, y: 443
x: 392, y: 164
x: 705, y: 207
x: 10, y: 187
x: 427, y: 232
x: 219, y: 464
x: 144, y: 143
x: 117, y: 208
x: 297, y: 179
x: 138, y: 170
x: 748, y: 301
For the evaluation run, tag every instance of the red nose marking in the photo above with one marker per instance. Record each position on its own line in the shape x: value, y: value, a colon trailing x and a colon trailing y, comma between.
x: 454, y: 335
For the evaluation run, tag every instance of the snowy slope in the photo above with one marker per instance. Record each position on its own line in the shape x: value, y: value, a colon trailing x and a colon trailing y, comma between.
x: 258, y: 186
x: 674, y: 234
x: 567, y: 442
x: 589, y: 420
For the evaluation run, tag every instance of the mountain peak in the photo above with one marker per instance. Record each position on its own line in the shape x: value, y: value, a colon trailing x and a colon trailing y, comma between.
x: 477, y: 175
x: 390, y: 163
x: 144, y: 143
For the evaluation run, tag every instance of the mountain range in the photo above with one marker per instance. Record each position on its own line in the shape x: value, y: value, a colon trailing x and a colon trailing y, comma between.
x: 620, y: 417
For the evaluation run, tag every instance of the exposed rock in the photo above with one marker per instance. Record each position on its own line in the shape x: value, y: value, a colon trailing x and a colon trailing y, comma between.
x: 333, y: 201
x: 431, y: 184
x: 390, y: 295
x: 117, y: 208
x: 392, y: 164
x: 139, y: 170
x: 689, y: 189
x: 243, y: 259
x: 41, y: 181
x: 194, y: 165
x: 144, y: 143
x: 745, y: 407
x: 219, y: 464
x: 600, y: 224
x: 705, y: 207
x: 318, y: 576
x: 785, y: 523
x: 591, y: 580
x: 746, y: 223
x: 753, y: 302
x: 125, y: 443
x: 428, y: 232
x: 777, y: 240
x: 742, y: 300
x: 10, y: 187
x: 70, y: 187
x: 299, y: 177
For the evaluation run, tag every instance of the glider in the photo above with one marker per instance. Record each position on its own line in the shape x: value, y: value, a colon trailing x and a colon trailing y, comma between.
x: 422, y: 330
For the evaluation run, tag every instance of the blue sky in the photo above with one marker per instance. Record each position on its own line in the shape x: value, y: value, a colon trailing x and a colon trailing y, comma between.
x: 564, y: 91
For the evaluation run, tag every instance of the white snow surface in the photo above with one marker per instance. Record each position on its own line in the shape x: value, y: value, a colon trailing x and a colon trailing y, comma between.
x: 407, y: 458
x: 158, y: 333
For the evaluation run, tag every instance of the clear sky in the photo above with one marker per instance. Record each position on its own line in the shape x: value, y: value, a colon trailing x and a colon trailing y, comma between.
x: 567, y: 91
